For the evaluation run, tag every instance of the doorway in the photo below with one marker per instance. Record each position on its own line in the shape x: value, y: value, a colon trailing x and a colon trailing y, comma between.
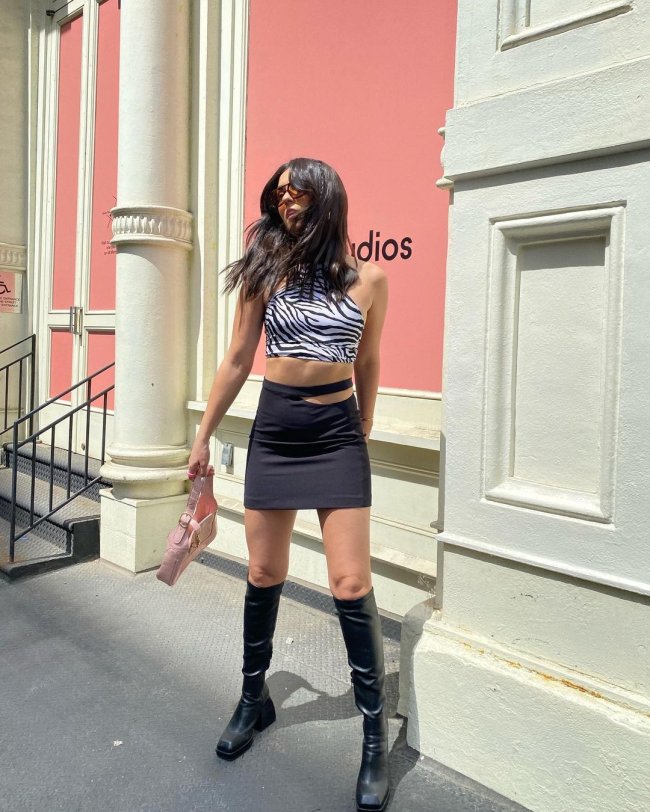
x: 75, y: 297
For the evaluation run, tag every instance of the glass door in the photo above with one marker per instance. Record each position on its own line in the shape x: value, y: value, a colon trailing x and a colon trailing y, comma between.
x: 78, y: 335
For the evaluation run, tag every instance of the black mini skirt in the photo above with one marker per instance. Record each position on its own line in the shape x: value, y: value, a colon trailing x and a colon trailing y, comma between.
x: 306, y: 455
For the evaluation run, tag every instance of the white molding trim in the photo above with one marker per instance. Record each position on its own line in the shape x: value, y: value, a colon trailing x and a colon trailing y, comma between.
x: 421, y: 394
x: 412, y: 439
x: 411, y: 436
x: 412, y: 529
x: 540, y: 562
x: 516, y: 15
x: 564, y: 677
x: 406, y: 470
x: 232, y: 92
x: 499, y: 480
x: 573, y: 98
x: 13, y: 257
x: 378, y: 552
x: 46, y: 153
x: 204, y: 169
x: 145, y: 224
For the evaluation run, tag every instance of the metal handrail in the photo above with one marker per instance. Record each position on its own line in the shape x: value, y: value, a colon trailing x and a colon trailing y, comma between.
x: 6, y: 368
x: 87, y: 380
x: 51, y: 427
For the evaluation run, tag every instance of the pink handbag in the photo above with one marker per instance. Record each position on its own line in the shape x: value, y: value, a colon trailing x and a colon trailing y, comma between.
x: 196, y: 528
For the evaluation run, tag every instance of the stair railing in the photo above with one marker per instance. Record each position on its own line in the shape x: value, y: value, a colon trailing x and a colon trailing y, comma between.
x: 51, y: 427
x: 24, y: 366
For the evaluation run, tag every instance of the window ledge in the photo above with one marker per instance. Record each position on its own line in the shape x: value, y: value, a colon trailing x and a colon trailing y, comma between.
x: 383, y: 432
x: 378, y: 552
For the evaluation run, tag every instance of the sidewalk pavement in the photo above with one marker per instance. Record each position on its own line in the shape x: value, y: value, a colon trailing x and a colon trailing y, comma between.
x: 115, y: 688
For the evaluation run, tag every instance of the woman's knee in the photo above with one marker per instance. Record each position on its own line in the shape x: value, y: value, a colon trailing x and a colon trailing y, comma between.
x: 349, y: 587
x: 263, y: 576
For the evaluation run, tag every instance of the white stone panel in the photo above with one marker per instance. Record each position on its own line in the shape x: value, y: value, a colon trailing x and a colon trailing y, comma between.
x: 524, y: 21
x: 549, y: 11
x: 558, y: 360
x: 545, y: 737
x: 571, y: 43
x: 134, y: 531
x: 611, y: 545
x: 531, y: 126
x: 571, y: 623
x: 553, y: 357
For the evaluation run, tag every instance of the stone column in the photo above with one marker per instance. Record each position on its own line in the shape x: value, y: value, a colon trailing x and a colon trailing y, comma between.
x: 13, y: 190
x: 153, y: 233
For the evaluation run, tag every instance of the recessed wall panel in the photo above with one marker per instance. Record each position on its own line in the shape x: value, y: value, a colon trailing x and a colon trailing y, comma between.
x: 559, y: 363
x: 548, y: 11
x: 551, y: 390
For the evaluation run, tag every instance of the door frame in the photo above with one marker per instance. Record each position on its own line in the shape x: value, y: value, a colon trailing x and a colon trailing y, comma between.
x: 45, y: 318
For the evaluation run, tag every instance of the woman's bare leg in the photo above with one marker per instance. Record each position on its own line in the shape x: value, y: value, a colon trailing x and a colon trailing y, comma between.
x: 346, y: 538
x: 268, y: 534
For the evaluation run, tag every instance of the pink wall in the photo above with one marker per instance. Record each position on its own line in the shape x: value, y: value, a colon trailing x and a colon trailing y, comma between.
x: 365, y: 86
x: 60, y: 363
x: 102, y: 256
x: 101, y: 351
x: 67, y: 164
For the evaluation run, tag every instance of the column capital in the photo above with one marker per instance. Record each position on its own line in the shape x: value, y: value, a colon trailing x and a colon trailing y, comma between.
x: 152, y: 224
x: 13, y: 257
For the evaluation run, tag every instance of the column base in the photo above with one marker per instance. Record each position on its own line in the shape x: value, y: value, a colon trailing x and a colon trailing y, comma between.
x: 134, y: 531
x: 134, y: 482
x: 547, y: 737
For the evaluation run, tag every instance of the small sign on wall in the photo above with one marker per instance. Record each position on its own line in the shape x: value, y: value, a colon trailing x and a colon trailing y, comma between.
x: 11, y: 292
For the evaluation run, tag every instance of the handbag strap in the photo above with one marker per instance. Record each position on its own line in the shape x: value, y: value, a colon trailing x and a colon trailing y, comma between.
x: 193, y: 499
x: 195, y: 493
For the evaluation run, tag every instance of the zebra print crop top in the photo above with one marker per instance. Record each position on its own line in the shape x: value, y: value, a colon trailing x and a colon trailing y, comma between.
x: 312, y: 328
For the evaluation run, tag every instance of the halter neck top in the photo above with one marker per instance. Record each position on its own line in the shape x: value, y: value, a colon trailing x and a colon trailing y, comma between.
x: 309, y: 325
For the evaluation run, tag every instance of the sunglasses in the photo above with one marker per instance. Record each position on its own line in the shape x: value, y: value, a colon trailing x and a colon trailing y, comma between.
x: 279, y: 193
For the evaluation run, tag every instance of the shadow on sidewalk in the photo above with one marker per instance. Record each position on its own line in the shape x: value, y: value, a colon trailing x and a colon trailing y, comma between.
x: 325, y: 708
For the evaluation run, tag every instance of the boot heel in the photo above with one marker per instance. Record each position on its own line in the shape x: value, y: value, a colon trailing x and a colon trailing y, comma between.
x: 267, y: 715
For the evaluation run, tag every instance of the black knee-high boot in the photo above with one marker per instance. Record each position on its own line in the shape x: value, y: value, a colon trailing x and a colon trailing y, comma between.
x: 365, y: 645
x: 255, y: 710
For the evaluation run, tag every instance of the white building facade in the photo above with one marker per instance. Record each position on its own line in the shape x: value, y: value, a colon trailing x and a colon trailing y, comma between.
x: 532, y: 673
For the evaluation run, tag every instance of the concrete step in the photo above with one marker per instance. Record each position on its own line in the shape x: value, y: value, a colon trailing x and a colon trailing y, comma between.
x: 53, y: 462
x: 70, y: 535
x: 47, y: 546
x: 80, y: 508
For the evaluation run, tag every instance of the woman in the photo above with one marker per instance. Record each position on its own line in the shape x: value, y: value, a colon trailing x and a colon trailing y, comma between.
x: 323, y: 314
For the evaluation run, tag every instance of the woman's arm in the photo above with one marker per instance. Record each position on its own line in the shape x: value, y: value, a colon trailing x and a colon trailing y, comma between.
x: 366, y: 367
x: 229, y: 378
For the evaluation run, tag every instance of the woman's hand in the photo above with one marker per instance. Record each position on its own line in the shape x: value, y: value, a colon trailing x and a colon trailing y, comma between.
x: 199, y: 461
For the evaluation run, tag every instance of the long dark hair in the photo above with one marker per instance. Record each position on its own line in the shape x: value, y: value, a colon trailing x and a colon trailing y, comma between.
x: 274, y: 256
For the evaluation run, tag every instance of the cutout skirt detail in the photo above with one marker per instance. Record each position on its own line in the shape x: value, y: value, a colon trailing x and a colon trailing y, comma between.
x: 303, y: 454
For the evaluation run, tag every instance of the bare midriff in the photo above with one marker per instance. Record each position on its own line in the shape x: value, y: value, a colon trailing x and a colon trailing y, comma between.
x: 298, y: 372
